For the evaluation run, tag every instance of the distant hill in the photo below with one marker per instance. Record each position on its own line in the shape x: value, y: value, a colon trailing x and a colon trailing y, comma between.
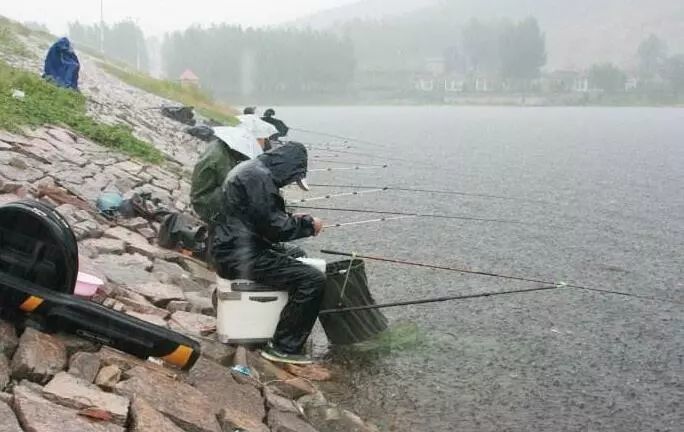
x: 579, y: 32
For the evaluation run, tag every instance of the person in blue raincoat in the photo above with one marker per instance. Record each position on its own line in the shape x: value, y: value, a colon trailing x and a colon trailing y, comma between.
x: 61, y: 64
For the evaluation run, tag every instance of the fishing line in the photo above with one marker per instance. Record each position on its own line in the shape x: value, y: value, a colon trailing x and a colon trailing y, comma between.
x: 437, y: 300
x: 443, y: 192
x: 329, y: 135
x: 364, y: 222
x: 436, y: 216
x: 324, y: 197
x: 315, y: 159
x: 500, y: 276
x: 354, y: 168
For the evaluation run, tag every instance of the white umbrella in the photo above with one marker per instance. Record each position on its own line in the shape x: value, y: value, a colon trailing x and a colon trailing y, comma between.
x: 256, y: 126
x: 240, y: 140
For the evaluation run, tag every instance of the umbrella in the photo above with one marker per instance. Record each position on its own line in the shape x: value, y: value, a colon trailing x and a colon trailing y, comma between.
x: 240, y: 140
x: 256, y: 126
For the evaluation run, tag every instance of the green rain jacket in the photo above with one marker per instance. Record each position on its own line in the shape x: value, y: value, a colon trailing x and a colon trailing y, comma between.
x: 208, y: 176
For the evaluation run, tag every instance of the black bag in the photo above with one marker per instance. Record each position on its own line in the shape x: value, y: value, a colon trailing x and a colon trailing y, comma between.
x: 347, y: 286
x: 38, y: 272
x: 184, y: 114
x: 179, y: 232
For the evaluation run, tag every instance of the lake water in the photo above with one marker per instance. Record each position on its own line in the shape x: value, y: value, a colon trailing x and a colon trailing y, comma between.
x: 605, y: 191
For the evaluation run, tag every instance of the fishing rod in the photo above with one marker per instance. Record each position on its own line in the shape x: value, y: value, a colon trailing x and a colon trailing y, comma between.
x: 500, y: 276
x: 344, y: 138
x: 316, y: 159
x: 354, y: 168
x: 364, y: 222
x: 425, y: 215
x: 437, y: 300
x: 324, y: 197
x: 435, y: 191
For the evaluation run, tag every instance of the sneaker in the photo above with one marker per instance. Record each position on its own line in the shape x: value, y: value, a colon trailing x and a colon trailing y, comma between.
x: 272, y: 354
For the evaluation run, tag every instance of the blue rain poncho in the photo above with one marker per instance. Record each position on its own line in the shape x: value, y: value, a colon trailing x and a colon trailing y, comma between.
x: 62, y: 65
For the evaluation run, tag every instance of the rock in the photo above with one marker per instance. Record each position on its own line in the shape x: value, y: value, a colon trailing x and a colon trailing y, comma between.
x: 216, y: 351
x: 128, y: 363
x: 152, y: 319
x: 108, y: 377
x: 71, y: 392
x: 137, y: 303
x: 7, y: 398
x: 39, y: 415
x: 192, y: 323
x: 8, y: 339
x: 177, y: 305
x: 241, y: 406
x: 39, y: 357
x: 85, y: 366
x: 148, y: 233
x: 134, y: 224
x: 130, y: 167
x: 279, y: 403
x: 127, y: 269
x: 311, y: 372
x: 8, y: 421
x: 76, y: 344
x: 200, y: 303
x: 136, y: 243
x: 157, y: 292
x: 106, y: 246
x: 82, y: 223
x: 5, y: 372
x: 186, y: 406
x: 189, y: 284
x: 287, y: 422
x: 7, y: 187
x: 198, y: 270
x: 144, y: 418
x: 172, y: 271
x: 284, y: 382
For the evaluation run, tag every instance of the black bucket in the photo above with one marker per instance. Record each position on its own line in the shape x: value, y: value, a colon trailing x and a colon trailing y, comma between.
x: 349, y: 327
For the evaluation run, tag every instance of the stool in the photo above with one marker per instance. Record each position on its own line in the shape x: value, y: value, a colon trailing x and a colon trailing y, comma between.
x: 248, y: 312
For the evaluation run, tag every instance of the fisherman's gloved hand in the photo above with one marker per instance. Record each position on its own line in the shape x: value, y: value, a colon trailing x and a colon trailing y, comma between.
x: 318, y: 226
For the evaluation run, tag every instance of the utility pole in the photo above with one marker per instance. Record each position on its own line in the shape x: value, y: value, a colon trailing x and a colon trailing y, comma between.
x: 102, y: 26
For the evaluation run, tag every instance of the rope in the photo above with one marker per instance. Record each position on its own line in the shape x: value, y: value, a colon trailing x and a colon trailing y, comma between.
x: 346, y: 279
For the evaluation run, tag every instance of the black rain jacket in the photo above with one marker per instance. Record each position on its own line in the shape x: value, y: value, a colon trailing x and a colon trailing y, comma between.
x: 254, y: 216
x: 279, y: 125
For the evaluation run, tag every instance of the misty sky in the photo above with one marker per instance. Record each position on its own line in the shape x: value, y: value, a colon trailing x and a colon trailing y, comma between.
x: 159, y: 16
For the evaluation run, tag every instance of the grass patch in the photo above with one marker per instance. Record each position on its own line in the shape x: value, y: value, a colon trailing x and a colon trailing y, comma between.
x: 48, y: 104
x: 202, y: 102
x: 9, y: 42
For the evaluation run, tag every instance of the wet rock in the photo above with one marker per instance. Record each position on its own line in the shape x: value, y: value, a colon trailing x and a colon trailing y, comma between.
x: 129, y: 166
x: 177, y: 305
x: 186, y: 406
x: 192, y: 323
x: 131, y: 366
x: 71, y: 392
x: 7, y: 186
x: 218, y: 352
x: 144, y: 418
x: 40, y: 415
x: 284, y: 382
x: 108, y: 377
x: 157, y: 292
x: 76, y: 344
x: 135, y: 243
x: 8, y: 421
x: 127, y: 269
x: 82, y: 223
x: 135, y: 302
x: 198, y: 270
x: 106, y: 246
x: 6, y: 398
x: 241, y: 406
x: 311, y: 372
x: 152, y: 319
x: 279, y: 403
x: 287, y: 422
x: 5, y: 372
x: 147, y: 232
x: 39, y: 357
x: 8, y: 339
x: 200, y: 303
x: 133, y: 224
x: 84, y: 366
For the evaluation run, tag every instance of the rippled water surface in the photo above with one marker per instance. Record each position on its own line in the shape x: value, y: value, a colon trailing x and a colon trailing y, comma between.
x: 602, y: 193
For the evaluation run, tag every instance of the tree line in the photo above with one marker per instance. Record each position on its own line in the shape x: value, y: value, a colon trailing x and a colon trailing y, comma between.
x: 231, y: 60
x: 123, y: 41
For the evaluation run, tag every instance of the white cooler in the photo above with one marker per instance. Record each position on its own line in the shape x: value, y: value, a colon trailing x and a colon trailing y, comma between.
x: 248, y: 312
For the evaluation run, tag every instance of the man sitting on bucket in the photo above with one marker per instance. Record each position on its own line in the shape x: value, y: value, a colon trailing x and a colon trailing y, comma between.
x: 252, y: 222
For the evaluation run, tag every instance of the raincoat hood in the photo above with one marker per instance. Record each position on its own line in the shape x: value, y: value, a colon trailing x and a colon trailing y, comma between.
x: 287, y: 163
x: 62, y: 65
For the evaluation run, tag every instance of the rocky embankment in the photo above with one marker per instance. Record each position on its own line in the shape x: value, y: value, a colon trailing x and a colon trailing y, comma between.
x: 58, y: 382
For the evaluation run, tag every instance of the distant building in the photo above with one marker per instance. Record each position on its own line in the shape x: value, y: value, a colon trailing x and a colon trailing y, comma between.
x: 581, y: 84
x: 189, y: 79
x: 631, y: 84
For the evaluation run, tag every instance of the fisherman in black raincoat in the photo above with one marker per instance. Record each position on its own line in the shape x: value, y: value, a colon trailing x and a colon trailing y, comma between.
x: 244, y: 245
x: 269, y: 117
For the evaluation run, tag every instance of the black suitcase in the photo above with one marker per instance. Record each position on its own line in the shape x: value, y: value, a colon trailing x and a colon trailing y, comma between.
x: 38, y: 270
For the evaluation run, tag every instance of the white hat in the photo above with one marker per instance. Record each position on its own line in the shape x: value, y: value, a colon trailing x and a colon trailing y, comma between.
x: 240, y: 140
x: 256, y: 126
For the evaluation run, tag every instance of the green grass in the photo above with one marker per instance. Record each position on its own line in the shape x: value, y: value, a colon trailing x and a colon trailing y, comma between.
x: 202, y: 102
x: 47, y: 104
